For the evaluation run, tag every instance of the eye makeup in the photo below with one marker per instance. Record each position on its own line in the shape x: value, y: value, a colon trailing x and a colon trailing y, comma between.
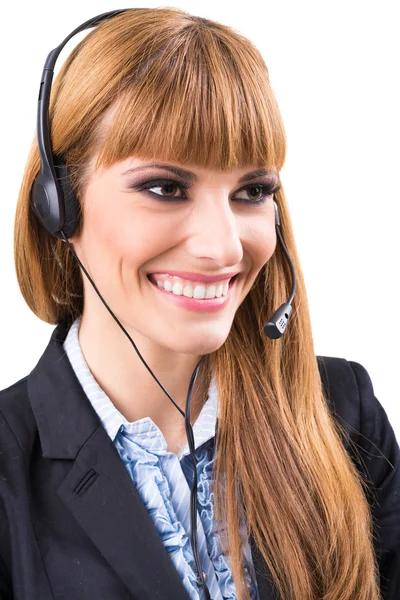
x: 267, y: 188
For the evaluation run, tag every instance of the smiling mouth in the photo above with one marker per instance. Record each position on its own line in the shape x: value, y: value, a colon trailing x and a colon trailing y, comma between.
x: 161, y: 288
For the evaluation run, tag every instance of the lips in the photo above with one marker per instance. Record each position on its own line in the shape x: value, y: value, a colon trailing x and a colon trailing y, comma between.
x: 202, y: 305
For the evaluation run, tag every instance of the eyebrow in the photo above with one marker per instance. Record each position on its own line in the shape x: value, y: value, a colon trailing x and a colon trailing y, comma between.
x: 191, y: 177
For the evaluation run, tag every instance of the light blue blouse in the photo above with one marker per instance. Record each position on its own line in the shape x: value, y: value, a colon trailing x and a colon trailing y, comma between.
x: 163, y: 480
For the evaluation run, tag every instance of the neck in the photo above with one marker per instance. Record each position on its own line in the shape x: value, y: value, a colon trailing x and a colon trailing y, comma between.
x: 117, y: 368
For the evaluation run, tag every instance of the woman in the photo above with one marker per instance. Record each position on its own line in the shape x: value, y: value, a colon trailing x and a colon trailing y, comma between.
x: 173, y: 143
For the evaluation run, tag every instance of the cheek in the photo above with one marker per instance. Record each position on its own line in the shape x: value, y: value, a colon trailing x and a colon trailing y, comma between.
x: 107, y: 225
x: 130, y: 238
x: 270, y: 242
x: 260, y: 241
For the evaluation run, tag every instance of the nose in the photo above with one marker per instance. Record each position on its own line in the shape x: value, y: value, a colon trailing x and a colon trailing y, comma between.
x: 215, y: 231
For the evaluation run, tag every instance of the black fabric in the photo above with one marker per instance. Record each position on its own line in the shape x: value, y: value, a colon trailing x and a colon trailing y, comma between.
x: 72, y: 524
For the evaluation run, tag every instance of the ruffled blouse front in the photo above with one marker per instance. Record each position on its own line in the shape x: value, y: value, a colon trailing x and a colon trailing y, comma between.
x: 205, y: 501
x: 164, y: 479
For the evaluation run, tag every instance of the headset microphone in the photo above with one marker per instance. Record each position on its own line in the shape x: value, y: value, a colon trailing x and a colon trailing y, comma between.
x: 276, y: 324
x: 57, y: 208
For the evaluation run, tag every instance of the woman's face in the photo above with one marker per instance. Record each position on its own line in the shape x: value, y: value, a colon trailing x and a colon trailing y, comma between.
x: 141, y: 219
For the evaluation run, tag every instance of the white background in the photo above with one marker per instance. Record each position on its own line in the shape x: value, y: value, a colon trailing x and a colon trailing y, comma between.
x: 334, y: 67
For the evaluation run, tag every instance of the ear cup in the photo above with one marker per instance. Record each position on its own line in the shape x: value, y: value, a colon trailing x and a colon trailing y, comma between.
x: 54, y: 201
x: 70, y: 201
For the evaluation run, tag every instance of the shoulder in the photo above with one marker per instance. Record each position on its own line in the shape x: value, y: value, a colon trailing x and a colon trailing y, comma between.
x: 352, y: 399
x: 18, y: 427
x: 376, y: 452
x: 18, y: 434
x: 341, y: 389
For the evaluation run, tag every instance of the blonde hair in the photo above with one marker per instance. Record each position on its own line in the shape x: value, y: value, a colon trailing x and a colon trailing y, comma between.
x: 188, y: 89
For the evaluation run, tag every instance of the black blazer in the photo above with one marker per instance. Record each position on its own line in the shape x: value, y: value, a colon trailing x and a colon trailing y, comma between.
x: 72, y: 524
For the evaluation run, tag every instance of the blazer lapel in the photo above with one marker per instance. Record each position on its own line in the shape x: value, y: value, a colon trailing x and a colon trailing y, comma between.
x: 102, y: 497
x: 98, y: 490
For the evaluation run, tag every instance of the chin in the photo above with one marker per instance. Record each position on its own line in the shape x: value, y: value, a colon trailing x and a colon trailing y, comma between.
x: 203, y: 344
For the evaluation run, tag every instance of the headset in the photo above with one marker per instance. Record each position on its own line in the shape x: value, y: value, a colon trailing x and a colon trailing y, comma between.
x: 57, y: 208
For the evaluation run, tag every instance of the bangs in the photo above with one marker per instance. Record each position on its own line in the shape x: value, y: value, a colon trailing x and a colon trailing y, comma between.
x: 204, y: 98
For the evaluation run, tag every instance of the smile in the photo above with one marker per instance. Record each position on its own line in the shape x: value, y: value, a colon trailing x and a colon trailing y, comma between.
x: 192, y: 295
x: 190, y: 289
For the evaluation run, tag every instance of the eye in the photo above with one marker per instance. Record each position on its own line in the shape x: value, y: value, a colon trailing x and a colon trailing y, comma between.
x: 259, y: 192
x: 167, y: 189
x: 169, y: 186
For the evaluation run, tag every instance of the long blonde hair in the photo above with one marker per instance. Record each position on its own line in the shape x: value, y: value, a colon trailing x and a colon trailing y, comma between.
x: 188, y: 89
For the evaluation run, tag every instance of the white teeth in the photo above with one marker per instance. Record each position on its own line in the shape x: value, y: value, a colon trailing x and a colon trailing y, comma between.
x: 177, y: 289
x: 199, y: 291
x: 210, y: 291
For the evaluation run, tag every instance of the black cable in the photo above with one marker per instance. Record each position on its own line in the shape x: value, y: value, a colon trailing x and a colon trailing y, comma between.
x: 193, y: 492
x: 200, y: 580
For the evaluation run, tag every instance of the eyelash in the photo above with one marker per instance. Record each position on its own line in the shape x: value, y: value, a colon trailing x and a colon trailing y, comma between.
x: 266, y: 189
